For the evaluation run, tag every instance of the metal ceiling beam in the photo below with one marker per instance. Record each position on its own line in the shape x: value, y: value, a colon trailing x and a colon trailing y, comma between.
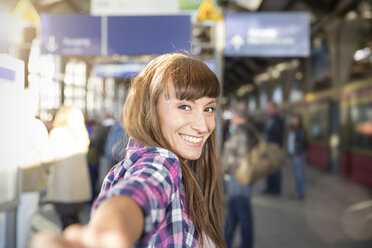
x: 342, y: 8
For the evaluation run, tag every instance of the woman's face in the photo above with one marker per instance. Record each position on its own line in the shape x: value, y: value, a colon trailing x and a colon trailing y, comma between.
x: 186, y: 125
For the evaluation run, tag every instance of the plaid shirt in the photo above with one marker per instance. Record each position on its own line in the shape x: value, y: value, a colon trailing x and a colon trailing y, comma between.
x: 152, y: 177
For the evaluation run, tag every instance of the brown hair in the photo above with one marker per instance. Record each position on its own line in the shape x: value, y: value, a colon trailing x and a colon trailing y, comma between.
x: 202, y: 178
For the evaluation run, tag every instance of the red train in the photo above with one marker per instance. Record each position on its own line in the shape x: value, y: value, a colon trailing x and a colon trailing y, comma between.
x: 339, y: 129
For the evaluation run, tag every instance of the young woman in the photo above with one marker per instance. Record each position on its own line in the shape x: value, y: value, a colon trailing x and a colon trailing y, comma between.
x: 167, y: 192
x: 69, y: 181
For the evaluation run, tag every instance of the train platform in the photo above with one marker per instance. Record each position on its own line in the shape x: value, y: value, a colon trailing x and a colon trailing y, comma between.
x: 336, y: 213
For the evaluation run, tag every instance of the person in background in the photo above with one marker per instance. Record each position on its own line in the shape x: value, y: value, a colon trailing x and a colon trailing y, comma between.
x: 99, y: 140
x: 93, y: 159
x: 296, y: 143
x: 115, y: 145
x: 34, y: 153
x: 239, y: 210
x: 167, y: 192
x: 69, y: 182
x: 274, y: 132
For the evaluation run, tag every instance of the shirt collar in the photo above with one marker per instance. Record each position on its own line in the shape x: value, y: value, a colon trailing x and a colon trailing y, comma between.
x: 133, y: 143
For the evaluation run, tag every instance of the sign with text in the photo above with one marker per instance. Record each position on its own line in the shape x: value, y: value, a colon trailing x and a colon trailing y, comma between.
x: 11, y: 73
x: 71, y: 34
x: 128, y: 69
x: 270, y: 34
x: 129, y: 35
x: 143, y: 7
x: 134, y: 35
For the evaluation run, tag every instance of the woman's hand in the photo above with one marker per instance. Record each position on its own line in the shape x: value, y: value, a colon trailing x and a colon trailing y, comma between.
x: 78, y: 236
x: 117, y: 222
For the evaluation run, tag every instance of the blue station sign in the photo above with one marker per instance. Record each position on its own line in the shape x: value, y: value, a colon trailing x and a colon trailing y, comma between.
x: 71, y: 34
x: 268, y: 34
x: 128, y: 69
x: 104, y: 35
x: 159, y: 34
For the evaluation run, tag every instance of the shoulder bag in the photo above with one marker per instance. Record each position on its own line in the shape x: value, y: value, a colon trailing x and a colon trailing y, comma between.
x: 262, y: 160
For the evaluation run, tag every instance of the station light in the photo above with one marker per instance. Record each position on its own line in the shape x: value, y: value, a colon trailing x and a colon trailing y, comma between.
x: 362, y: 54
x: 251, y: 5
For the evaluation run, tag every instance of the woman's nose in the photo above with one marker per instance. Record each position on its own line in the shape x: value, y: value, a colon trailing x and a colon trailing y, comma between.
x: 199, y: 122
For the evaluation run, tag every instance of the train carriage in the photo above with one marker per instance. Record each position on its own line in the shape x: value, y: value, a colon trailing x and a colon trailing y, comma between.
x: 356, y: 135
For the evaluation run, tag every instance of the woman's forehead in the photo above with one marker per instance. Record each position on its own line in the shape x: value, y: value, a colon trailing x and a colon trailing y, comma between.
x: 170, y: 95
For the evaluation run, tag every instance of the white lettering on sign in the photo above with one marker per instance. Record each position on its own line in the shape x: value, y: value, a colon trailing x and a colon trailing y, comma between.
x: 52, y: 45
x: 237, y: 41
x: 76, y: 42
x: 259, y: 36
x: 268, y: 36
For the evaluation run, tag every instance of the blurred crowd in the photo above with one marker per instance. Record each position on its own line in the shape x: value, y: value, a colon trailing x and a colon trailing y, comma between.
x: 241, y: 135
x: 63, y: 162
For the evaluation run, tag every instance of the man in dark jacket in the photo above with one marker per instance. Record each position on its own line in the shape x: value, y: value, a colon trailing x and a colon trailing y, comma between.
x: 274, y: 132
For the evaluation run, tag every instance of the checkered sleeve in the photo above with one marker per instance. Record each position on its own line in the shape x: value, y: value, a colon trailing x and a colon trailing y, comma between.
x: 151, y: 181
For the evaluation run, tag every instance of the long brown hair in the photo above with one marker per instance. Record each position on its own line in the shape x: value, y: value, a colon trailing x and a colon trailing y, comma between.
x: 202, y: 178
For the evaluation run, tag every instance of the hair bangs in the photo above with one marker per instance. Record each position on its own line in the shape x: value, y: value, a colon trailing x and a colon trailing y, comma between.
x: 192, y: 79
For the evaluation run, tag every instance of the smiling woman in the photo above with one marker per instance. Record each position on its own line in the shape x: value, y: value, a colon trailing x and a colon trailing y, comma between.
x: 167, y: 191
x: 186, y: 125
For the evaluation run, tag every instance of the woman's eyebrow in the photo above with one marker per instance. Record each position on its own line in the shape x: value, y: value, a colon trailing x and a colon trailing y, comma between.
x: 193, y: 101
x: 213, y: 101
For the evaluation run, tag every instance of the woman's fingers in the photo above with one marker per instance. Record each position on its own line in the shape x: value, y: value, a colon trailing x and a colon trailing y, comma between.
x: 47, y: 240
x: 92, y: 237
x: 114, y: 239
x: 73, y: 233
x: 78, y: 236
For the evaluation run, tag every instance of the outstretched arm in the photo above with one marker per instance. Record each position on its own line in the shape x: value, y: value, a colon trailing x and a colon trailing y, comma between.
x: 117, y: 222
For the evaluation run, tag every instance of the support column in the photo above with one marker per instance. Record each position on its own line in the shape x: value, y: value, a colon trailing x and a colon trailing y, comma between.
x: 287, y: 81
x: 343, y: 39
x: 308, y: 85
x: 270, y: 87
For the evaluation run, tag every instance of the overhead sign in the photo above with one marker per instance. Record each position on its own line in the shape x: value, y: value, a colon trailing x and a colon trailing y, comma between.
x: 133, y: 7
x: 71, y: 34
x: 211, y: 64
x: 193, y: 4
x: 135, y: 35
x: 270, y: 34
x: 11, y: 72
x: 129, y: 69
x: 143, y: 7
x: 189, y: 4
x: 130, y: 35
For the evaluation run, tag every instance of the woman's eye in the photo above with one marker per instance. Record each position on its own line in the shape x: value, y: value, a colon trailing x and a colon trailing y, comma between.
x: 184, y: 107
x: 210, y: 109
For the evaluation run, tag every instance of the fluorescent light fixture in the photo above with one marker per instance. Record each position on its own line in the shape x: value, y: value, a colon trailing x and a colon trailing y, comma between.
x: 362, y: 54
x: 251, y: 5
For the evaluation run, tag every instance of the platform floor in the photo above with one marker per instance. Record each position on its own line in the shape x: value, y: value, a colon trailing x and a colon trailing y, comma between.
x: 336, y: 213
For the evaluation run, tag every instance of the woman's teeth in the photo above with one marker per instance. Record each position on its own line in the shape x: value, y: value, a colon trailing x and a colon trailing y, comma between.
x: 191, y: 139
